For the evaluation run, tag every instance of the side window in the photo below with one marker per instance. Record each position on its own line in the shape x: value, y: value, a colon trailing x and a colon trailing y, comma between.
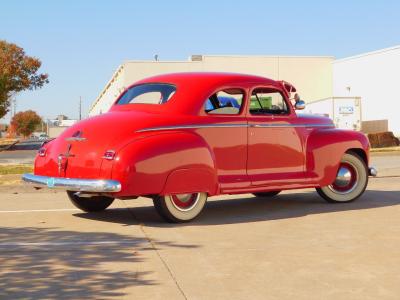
x: 267, y: 101
x: 225, y: 102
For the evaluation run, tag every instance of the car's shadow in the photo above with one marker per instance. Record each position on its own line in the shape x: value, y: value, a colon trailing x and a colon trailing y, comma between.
x: 252, y: 209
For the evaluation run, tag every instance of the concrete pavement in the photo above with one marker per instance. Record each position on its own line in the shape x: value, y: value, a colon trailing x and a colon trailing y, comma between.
x: 292, y: 246
x: 387, y: 163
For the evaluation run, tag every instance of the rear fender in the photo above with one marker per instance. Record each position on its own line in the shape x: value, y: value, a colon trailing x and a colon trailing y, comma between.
x: 191, y: 181
x: 168, y: 162
x: 325, y: 149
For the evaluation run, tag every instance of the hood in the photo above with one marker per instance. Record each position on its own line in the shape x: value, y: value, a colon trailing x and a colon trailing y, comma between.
x: 314, y: 119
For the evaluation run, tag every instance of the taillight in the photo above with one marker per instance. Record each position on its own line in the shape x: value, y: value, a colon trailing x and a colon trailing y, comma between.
x: 109, y: 155
x: 42, y: 152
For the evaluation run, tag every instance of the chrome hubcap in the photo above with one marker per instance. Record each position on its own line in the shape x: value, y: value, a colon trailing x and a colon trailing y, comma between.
x: 185, y: 202
x: 343, y: 177
x: 346, y: 179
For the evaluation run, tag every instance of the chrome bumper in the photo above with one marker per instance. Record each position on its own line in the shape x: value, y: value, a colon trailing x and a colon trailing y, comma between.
x: 372, y: 171
x: 73, y: 184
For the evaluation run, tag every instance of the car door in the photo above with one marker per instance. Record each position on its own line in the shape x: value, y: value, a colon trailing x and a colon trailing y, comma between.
x: 226, y: 134
x: 275, y: 143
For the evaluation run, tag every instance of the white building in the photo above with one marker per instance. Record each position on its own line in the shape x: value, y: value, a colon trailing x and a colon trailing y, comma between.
x: 56, y: 126
x: 373, y: 76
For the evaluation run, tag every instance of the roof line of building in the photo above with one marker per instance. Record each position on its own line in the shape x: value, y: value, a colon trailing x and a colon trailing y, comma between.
x: 160, y: 61
x: 270, y: 56
x: 367, y: 54
x: 120, y: 67
x: 221, y: 55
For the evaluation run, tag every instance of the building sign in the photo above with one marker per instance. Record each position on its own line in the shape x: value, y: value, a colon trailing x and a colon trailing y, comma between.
x: 346, y: 110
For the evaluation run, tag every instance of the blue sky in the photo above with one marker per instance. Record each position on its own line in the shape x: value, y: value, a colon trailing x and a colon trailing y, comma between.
x: 81, y: 43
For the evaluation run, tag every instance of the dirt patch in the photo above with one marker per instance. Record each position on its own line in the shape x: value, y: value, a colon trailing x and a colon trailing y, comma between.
x: 383, y: 139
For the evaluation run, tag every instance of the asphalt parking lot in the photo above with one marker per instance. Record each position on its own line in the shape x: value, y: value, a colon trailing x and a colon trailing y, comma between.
x: 293, y: 246
x: 17, y: 157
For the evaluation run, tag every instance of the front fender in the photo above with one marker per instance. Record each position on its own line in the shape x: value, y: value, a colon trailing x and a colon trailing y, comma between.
x: 161, y: 163
x: 326, y: 147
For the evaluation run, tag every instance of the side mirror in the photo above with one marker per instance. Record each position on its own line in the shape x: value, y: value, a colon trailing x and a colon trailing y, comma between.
x: 300, y: 105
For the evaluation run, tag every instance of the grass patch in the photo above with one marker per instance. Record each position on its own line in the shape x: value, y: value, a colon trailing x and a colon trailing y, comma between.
x: 5, y: 142
x: 15, y: 169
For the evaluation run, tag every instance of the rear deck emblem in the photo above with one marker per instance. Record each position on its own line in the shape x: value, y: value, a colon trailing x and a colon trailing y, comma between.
x: 76, y: 137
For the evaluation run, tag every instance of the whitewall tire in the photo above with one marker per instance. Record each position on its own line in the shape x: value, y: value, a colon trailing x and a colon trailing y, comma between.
x: 181, y: 207
x: 350, y: 182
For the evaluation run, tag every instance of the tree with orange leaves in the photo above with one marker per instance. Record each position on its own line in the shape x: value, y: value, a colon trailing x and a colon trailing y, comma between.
x: 25, y: 122
x: 18, y: 72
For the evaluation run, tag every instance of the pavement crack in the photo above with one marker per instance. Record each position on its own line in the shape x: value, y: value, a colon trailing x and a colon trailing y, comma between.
x: 153, y: 246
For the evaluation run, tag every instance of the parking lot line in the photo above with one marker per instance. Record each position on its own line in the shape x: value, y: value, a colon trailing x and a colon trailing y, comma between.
x: 38, y: 210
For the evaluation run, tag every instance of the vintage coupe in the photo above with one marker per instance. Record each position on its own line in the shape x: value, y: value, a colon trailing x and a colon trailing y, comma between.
x: 179, y: 138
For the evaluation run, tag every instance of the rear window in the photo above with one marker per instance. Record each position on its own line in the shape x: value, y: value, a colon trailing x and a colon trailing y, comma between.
x: 150, y: 93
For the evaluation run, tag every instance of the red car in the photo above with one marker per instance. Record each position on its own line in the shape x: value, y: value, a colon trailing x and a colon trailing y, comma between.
x: 179, y: 138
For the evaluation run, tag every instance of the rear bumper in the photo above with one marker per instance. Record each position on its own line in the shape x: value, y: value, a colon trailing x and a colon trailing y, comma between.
x: 73, y: 184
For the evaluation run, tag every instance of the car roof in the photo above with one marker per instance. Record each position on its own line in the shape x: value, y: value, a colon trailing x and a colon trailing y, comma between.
x: 193, y: 88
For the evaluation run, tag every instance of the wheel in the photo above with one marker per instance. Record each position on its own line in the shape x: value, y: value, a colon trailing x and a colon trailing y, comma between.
x: 350, y: 182
x: 90, y: 204
x: 266, y: 194
x: 181, y: 207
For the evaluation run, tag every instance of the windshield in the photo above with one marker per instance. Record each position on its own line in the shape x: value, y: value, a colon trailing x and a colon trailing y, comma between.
x: 150, y: 93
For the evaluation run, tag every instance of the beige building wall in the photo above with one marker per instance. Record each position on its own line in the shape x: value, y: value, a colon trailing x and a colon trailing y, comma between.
x: 312, y: 76
x: 111, y: 91
x: 55, y: 131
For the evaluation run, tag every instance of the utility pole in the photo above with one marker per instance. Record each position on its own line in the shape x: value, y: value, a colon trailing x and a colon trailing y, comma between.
x: 80, y: 108
x: 14, y: 103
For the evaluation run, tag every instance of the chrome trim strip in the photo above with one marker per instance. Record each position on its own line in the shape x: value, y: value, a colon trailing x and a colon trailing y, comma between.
x: 73, y: 184
x: 198, y: 126
x: 290, y: 125
x: 75, y: 139
x: 194, y: 126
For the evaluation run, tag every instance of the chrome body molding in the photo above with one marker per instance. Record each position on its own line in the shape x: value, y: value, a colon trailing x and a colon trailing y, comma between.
x: 290, y: 125
x: 199, y: 126
x: 75, y: 139
x: 73, y: 184
x: 194, y: 126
